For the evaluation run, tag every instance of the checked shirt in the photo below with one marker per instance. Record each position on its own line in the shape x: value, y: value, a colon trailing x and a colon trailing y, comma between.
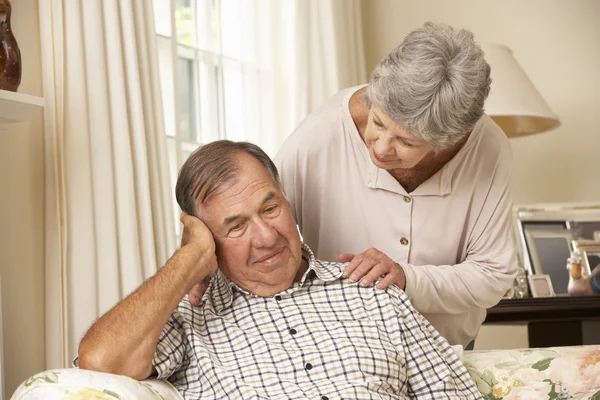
x: 323, y: 338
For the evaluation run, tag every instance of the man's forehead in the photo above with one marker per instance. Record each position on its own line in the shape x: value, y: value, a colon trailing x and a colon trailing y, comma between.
x: 232, y: 197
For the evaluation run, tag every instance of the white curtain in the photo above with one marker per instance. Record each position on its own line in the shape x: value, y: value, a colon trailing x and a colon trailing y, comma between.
x: 109, y: 222
x: 313, y: 49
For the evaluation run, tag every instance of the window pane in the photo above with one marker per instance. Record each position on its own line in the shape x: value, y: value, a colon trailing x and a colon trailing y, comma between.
x: 173, y: 169
x: 186, y: 150
x: 233, y: 101
x: 209, y: 99
x: 187, y: 101
x: 231, y: 28
x: 165, y: 66
x: 184, y: 21
x: 207, y: 23
x: 252, y: 102
x: 239, y: 30
x: 162, y: 17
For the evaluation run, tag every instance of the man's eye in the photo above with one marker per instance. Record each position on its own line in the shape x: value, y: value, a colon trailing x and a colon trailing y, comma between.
x: 270, y: 209
x: 236, y: 227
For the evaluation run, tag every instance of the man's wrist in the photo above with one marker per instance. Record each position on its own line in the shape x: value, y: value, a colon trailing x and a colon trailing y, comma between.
x: 195, y: 261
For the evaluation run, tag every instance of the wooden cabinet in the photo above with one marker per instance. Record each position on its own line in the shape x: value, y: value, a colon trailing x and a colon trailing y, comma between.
x: 552, y: 321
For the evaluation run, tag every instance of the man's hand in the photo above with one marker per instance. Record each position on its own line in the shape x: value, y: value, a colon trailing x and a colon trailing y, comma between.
x: 199, y: 241
x: 369, y: 265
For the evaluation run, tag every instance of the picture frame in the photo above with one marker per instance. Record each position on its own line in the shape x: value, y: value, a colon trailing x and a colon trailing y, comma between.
x: 541, y: 285
x: 549, y: 251
x: 581, y: 219
x: 590, y: 254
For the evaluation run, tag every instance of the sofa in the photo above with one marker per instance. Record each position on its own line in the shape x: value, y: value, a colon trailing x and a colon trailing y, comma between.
x: 550, y: 373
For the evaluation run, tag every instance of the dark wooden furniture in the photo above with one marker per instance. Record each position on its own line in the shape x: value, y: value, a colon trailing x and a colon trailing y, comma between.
x: 552, y: 321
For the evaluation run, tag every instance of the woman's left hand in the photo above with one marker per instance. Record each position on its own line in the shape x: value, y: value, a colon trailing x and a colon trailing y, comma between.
x: 369, y: 265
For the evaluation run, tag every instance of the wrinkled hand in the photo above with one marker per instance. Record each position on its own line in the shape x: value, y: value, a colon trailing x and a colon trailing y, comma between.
x: 369, y: 265
x: 197, y: 239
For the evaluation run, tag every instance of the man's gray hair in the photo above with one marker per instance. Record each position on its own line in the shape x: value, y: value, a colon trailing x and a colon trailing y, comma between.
x: 213, y: 165
x: 434, y: 84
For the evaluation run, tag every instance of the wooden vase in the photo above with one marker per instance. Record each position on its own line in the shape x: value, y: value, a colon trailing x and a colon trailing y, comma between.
x: 10, y: 55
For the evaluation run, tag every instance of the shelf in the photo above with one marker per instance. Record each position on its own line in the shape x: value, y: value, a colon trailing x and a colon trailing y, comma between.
x: 17, y: 107
x: 545, y: 309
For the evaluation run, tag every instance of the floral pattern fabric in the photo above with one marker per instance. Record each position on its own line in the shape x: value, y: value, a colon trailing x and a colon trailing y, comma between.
x: 76, y: 384
x: 546, y: 374
x: 532, y: 374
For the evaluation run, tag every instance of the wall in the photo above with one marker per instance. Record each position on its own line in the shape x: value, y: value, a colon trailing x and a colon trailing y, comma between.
x: 558, y: 44
x: 22, y: 216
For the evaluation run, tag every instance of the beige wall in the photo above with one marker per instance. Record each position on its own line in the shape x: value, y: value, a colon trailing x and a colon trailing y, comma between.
x: 22, y: 217
x: 558, y: 44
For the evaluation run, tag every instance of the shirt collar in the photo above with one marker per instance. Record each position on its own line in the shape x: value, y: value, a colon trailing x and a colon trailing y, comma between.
x: 220, y: 291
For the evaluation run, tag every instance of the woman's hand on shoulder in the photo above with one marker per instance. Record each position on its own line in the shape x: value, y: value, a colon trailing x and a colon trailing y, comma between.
x: 369, y: 266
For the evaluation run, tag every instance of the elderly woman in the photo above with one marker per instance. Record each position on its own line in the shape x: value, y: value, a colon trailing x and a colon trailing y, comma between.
x: 411, y: 181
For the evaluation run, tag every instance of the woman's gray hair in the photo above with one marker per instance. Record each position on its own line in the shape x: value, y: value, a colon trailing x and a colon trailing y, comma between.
x: 212, y: 166
x: 434, y: 84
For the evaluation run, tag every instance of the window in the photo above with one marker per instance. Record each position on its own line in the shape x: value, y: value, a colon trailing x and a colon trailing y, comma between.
x: 210, y: 74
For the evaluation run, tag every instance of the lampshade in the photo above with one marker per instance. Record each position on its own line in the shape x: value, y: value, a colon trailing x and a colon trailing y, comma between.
x: 514, y: 102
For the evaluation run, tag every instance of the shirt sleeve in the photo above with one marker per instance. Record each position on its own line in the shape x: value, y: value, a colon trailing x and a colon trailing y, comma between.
x: 433, y: 369
x: 169, y: 355
x: 490, y: 267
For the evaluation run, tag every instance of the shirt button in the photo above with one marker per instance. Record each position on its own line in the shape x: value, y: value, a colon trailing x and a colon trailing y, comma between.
x: 293, y: 331
x: 324, y: 398
x: 407, y: 199
x: 308, y: 366
x: 404, y: 241
x: 278, y: 298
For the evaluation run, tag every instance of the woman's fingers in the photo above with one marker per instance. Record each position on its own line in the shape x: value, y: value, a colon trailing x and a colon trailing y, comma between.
x: 354, y: 263
x: 345, y: 257
x: 377, y: 271
x: 386, y: 281
x: 371, y: 265
x: 362, y: 269
x: 195, y: 295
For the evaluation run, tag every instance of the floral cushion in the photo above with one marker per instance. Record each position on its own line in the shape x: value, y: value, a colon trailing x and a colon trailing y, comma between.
x: 532, y: 374
x: 552, y: 373
x: 76, y: 384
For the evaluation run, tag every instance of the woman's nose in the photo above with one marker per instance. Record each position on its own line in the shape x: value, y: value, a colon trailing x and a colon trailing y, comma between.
x: 383, y: 146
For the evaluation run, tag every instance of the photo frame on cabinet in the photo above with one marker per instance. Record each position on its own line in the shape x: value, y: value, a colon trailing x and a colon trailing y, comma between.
x: 540, y: 286
x: 581, y: 220
x: 549, y: 251
x: 589, y: 250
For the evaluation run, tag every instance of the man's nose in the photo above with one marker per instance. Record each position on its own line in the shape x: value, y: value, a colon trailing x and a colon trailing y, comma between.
x: 264, y: 235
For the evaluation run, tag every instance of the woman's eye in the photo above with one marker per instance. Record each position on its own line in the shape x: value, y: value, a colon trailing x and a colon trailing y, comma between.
x: 405, y: 143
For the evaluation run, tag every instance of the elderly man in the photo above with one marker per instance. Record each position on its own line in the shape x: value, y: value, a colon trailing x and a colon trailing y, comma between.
x: 270, y: 320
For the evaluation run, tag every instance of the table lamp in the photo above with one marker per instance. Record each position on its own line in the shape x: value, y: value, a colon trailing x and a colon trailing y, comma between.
x: 514, y: 103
